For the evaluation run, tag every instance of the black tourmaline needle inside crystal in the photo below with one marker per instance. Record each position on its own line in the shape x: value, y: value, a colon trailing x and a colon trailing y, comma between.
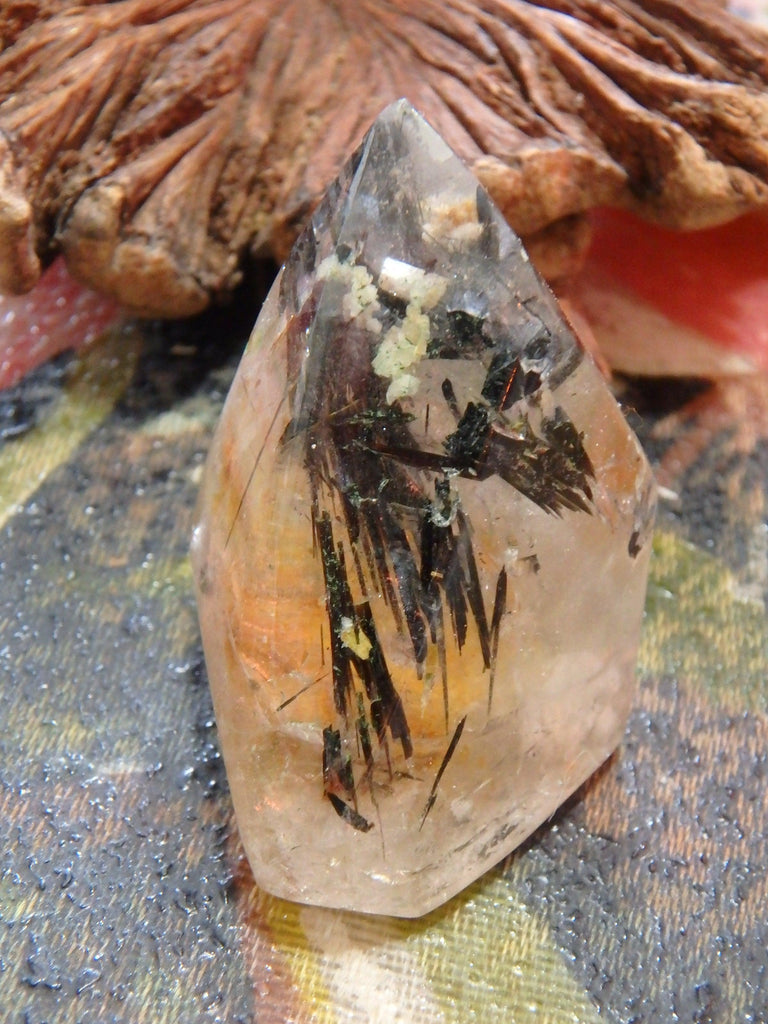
x: 386, y: 511
x: 422, y: 547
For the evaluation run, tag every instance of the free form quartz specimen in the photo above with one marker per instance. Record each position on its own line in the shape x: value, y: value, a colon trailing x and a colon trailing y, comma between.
x: 421, y: 550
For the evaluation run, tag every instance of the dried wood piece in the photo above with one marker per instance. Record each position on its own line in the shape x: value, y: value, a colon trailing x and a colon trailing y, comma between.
x: 157, y: 142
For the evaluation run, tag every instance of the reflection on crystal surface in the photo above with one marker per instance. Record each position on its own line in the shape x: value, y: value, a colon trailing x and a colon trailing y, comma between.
x: 421, y: 553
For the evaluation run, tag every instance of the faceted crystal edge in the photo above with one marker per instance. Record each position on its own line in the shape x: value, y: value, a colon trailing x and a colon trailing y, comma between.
x: 422, y: 546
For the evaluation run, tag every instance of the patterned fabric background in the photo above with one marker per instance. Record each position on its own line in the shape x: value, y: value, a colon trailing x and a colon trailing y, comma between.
x: 124, y: 893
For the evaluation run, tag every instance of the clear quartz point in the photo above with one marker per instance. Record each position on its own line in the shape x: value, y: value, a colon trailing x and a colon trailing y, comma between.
x: 421, y: 547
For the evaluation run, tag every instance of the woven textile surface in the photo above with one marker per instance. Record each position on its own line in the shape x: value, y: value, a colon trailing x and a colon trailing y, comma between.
x: 124, y: 894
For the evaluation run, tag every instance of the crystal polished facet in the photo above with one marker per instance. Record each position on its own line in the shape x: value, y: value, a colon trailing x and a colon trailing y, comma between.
x: 421, y: 550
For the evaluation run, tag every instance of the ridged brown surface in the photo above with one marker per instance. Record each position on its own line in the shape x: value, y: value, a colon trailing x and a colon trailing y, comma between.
x: 157, y: 142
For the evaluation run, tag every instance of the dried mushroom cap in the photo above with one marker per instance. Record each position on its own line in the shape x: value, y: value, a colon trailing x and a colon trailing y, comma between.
x: 155, y: 142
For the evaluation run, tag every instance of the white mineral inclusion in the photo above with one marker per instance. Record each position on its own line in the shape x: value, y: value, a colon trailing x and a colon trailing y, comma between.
x: 421, y: 549
x: 405, y: 344
x: 412, y: 284
x: 360, y: 298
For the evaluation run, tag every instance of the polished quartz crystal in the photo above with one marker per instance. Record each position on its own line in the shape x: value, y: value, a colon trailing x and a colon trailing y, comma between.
x: 421, y: 549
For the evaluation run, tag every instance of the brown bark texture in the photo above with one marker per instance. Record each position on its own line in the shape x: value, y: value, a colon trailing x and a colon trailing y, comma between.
x: 156, y: 143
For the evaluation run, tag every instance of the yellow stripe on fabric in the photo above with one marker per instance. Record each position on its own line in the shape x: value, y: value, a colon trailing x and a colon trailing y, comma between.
x: 489, y: 958
x: 99, y: 379
x: 483, y: 957
x: 700, y: 627
x: 283, y: 920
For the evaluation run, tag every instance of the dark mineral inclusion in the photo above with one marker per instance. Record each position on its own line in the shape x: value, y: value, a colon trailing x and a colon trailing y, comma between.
x: 421, y: 553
